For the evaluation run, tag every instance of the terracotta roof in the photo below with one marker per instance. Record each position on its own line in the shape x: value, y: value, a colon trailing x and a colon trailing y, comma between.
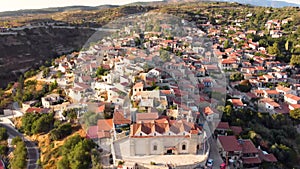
x: 236, y: 129
x: 223, y: 125
x: 248, y: 147
x: 275, y: 92
x: 104, y: 134
x: 236, y: 102
x: 166, y: 92
x: 208, y: 111
x: 282, y: 88
x: 228, y: 61
x: 295, y: 106
x: 251, y: 160
x: 270, y: 102
x: 105, y: 124
x: 294, y: 97
x: 119, y: 118
x: 92, y: 132
x: 37, y: 110
x: 146, y: 116
x: 229, y: 143
x: 138, y: 85
x: 259, y: 68
x: 163, y: 125
x: 101, y: 108
x: 266, y: 157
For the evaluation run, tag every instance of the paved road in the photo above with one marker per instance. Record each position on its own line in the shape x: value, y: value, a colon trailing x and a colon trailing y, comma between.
x: 32, y: 149
x: 214, y: 153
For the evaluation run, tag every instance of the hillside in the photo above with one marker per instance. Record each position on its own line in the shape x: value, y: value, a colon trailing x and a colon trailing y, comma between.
x: 30, y: 48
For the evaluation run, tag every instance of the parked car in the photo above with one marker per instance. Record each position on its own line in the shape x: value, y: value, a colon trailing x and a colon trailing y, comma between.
x: 223, y: 166
x: 210, y: 162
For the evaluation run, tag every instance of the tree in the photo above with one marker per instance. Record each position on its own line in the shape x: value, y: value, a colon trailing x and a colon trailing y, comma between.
x: 164, y: 55
x: 15, y: 140
x: 53, y: 85
x: 295, y: 114
x: 61, y: 132
x: 59, y: 74
x: 236, y: 76
x: 19, y: 159
x: 43, y: 124
x: 3, y: 150
x: 274, y: 50
x: 46, y: 72
x: 101, y: 71
x: 295, y: 60
x: 226, y: 44
x: 3, y: 134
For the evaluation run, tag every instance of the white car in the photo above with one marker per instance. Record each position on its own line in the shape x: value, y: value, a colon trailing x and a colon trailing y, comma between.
x: 210, y: 162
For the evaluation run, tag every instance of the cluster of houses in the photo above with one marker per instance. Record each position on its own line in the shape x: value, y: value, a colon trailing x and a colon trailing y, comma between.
x: 240, y: 152
x: 274, y: 85
x: 155, y: 104
x: 158, y: 101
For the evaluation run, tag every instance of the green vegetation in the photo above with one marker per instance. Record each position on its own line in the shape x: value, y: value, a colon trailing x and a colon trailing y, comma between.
x: 78, y: 153
x: 101, y: 71
x: 70, y: 114
x: 90, y: 118
x: 275, y: 134
x: 236, y: 76
x: 19, y: 159
x: 295, y: 114
x: 3, y: 134
x: 295, y: 60
x: 61, y: 131
x: 3, y: 142
x: 37, y: 123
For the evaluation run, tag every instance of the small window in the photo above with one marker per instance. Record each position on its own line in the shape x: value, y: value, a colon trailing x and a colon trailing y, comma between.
x: 183, y: 147
x: 183, y: 133
x: 154, y: 134
x: 169, y: 134
x: 141, y: 134
x: 154, y: 147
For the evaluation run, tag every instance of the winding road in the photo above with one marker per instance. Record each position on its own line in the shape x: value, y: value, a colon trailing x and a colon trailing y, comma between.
x: 32, y: 149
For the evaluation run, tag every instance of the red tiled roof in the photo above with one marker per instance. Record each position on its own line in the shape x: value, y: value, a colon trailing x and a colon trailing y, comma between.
x: 248, y: 147
x: 229, y: 143
x: 92, y: 132
x: 146, y: 116
x: 208, y: 111
x: 251, y: 160
x: 223, y: 125
x: 119, y: 118
x: 105, y: 124
x: 236, y: 102
x: 101, y: 108
x: 37, y: 110
x: 291, y: 96
x: 236, y: 129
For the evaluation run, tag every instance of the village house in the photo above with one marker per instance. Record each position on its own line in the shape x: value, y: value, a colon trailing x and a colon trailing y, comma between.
x: 291, y: 99
x: 164, y: 136
x: 50, y: 100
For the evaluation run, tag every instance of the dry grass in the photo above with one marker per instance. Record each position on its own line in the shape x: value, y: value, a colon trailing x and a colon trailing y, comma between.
x: 50, y: 149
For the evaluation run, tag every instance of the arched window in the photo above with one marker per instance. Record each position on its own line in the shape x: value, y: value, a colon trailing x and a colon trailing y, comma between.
x: 183, y: 146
